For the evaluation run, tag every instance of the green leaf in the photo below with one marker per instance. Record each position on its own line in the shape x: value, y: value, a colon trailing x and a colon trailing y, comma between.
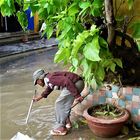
x: 96, y: 9
x: 100, y: 73
x: 85, y: 65
x: 62, y: 54
x: 26, y: 6
x: 42, y: 13
x: 34, y: 7
x: 130, y: 4
x: 59, y: 27
x: 65, y: 32
x: 59, y: 16
x: 84, y: 5
x: 112, y: 67
x: 135, y: 27
x: 80, y: 39
x: 93, y: 84
x: 138, y: 44
x: 22, y: 18
x: 118, y: 62
x: 7, y: 10
x: 1, y: 2
x: 9, y: 2
x: 59, y: 56
x: 96, y: 12
x: 93, y: 30
x: 66, y: 27
x: 103, y: 42
x: 105, y: 63
x: 73, y: 9
x: 75, y: 62
x: 98, y: 3
x: 49, y: 30
x: 91, y: 50
x: 75, y: 124
x: 87, y: 70
x: 46, y: 5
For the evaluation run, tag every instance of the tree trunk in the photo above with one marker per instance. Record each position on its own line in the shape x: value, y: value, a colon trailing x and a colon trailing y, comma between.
x: 110, y: 21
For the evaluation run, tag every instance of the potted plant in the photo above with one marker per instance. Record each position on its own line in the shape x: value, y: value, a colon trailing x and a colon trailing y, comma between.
x: 106, y: 120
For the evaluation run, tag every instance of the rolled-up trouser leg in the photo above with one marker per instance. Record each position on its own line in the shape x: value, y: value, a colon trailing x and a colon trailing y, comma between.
x: 62, y: 107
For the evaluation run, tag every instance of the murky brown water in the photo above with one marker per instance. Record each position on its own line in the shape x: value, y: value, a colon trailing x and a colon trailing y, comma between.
x: 16, y: 93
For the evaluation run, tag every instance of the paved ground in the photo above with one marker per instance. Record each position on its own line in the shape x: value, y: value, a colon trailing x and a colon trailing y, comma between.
x: 7, y: 50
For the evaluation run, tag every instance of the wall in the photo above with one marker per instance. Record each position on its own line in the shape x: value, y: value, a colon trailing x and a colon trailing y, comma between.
x: 127, y: 97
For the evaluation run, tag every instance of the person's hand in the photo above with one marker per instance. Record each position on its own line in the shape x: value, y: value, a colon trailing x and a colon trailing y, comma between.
x: 79, y: 99
x: 35, y: 99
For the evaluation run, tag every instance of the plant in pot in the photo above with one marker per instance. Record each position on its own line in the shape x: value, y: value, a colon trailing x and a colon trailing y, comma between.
x: 106, y: 120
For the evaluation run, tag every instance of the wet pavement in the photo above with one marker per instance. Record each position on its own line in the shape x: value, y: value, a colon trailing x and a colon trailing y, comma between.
x: 16, y: 48
x: 16, y: 93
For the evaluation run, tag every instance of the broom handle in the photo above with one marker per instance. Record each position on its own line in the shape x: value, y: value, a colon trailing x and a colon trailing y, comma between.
x: 31, y: 104
x: 79, y: 102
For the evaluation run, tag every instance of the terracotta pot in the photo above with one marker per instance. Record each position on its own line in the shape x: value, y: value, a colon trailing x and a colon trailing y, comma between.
x: 105, y: 128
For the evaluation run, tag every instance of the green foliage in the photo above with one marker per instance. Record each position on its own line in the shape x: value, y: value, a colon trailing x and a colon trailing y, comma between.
x: 22, y: 18
x: 135, y: 27
x: 138, y: 42
x: 7, y: 7
x: 97, y: 7
x: 82, y: 47
x: 106, y: 110
x: 130, y: 3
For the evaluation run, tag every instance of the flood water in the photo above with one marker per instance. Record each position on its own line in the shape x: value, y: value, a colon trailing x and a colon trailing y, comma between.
x: 17, y: 91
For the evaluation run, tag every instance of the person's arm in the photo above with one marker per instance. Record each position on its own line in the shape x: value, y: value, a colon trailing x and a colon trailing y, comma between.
x: 44, y: 94
x: 47, y: 91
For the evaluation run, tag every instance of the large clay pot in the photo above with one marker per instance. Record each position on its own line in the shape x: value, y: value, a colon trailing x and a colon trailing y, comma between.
x: 105, y: 128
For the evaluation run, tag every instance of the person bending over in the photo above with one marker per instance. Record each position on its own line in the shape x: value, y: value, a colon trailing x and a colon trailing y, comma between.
x: 70, y: 85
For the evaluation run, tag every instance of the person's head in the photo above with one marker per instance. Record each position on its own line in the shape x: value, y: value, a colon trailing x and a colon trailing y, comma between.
x: 38, y: 77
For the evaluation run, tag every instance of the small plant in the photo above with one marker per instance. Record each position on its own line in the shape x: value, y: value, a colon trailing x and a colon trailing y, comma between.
x: 106, y: 111
x: 79, y: 122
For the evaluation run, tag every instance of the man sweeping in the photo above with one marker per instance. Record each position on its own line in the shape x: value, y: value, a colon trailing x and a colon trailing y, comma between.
x: 70, y: 85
